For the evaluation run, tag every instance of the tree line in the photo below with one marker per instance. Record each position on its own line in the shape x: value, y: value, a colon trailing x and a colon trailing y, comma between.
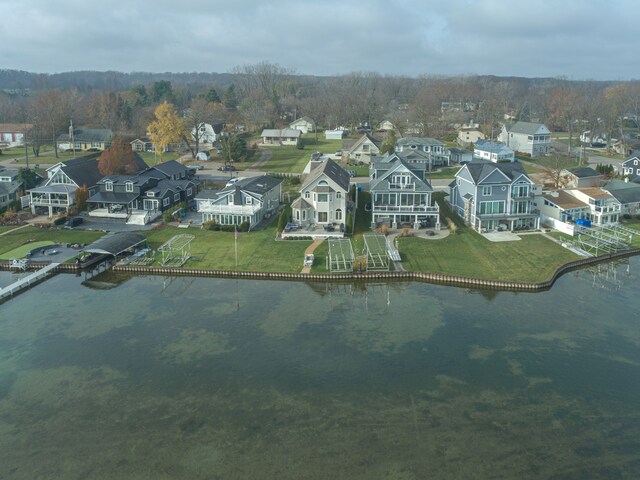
x: 269, y: 95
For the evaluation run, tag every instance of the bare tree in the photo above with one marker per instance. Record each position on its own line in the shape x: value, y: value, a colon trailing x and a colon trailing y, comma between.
x: 199, y: 113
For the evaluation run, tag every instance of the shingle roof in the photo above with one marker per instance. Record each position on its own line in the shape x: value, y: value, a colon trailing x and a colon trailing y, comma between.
x: 171, y: 168
x: 89, y: 135
x: 584, y: 172
x: 332, y: 170
x: 480, y: 169
x: 418, y: 141
x: 258, y: 185
x: 284, y: 133
x: 526, y: 128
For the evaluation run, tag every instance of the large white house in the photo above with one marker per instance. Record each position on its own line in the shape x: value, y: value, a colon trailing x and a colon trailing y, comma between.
x: 525, y: 137
x: 493, y: 151
x: 286, y: 136
x: 304, y: 124
x: 323, y: 196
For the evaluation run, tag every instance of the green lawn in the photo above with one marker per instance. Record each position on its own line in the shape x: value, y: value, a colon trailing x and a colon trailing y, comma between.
x: 445, y: 172
x: 28, y: 235
x: 150, y: 158
x: 22, y: 251
x: 534, y: 258
x: 292, y: 159
x: 257, y: 251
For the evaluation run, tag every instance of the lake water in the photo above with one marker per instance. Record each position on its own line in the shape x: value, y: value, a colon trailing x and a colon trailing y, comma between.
x: 197, y: 378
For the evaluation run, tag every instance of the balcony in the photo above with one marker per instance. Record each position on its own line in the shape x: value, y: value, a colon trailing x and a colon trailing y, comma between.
x: 228, y: 209
x: 402, y: 186
x: 607, y: 208
x: 43, y: 201
x: 518, y: 195
x: 424, y: 209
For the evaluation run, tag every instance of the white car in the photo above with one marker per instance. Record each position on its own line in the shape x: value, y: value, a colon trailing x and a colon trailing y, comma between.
x: 232, y: 181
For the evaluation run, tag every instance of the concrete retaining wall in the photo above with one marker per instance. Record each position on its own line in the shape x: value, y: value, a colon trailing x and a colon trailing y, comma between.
x: 428, y: 277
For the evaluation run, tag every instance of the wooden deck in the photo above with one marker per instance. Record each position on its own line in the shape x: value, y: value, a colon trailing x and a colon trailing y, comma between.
x: 27, y: 281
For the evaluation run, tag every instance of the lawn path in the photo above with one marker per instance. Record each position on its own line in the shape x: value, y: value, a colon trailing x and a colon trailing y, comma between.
x: 14, y: 229
x: 310, y: 249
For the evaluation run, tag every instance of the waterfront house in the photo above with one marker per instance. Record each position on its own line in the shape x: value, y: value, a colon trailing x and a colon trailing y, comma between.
x: 400, y: 195
x: 142, y: 197
x: 247, y: 200
x: 58, y: 193
x: 493, y: 151
x: 559, y: 205
x: 627, y: 194
x: 493, y: 196
x: 532, y: 139
x: 604, y: 208
x: 364, y: 148
x: 286, y: 136
x: 323, y: 196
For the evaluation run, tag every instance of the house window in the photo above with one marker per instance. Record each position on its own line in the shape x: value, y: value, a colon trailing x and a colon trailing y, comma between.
x: 491, y: 207
x: 322, y: 217
x: 176, y: 197
x: 304, y: 215
x: 108, y: 186
x: 248, y: 200
x: 338, y: 194
x: 128, y: 187
x: 307, y: 195
x: 486, y: 191
x: 297, y: 214
x: 338, y: 214
x: 189, y: 192
x: 365, y: 148
x: 165, y: 202
x: 323, y: 197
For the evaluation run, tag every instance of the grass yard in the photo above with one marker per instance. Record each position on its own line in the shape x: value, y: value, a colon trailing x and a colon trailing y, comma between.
x: 534, y: 258
x: 445, y: 172
x: 288, y: 158
x: 27, y: 237
x: 257, y: 251
x: 22, y: 251
x: 150, y: 157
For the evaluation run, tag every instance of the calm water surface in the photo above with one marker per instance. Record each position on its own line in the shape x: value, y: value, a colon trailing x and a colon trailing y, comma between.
x: 190, y: 378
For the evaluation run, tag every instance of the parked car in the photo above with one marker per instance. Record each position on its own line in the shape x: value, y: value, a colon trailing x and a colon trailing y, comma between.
x: 232, y: 181
x: 195, y: 167
x: 227, y: 168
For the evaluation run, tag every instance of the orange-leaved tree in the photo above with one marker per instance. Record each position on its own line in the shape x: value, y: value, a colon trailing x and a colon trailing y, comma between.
x: 118, y: 159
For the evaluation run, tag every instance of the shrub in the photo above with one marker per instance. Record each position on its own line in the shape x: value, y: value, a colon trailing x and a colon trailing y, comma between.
x: 383, y: 229
x: 167, y: 217
x: 60, y: 220
x: 452, y: 226
x: 406, y: 232
x: 347, y: 227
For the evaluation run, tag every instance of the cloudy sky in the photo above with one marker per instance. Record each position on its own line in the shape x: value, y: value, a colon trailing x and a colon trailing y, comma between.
x: 576, y: 39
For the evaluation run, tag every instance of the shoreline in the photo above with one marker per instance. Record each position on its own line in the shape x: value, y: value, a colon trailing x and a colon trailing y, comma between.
x: 426, y: 277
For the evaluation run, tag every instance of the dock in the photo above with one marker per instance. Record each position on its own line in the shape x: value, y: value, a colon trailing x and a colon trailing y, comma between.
x: 27, y: 281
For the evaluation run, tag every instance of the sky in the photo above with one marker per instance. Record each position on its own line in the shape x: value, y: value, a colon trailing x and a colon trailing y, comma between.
x: 574, y: 39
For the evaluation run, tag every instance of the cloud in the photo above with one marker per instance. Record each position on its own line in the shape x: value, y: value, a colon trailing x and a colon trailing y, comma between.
x: 572, y: 38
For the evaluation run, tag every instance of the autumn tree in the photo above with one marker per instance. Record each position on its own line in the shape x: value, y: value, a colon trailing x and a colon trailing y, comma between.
x: 167, y: 128
x: 118, y: 159
x: 82, y: 195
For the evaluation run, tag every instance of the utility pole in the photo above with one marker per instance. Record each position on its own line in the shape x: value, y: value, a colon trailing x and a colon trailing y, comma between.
x: 26, y: 148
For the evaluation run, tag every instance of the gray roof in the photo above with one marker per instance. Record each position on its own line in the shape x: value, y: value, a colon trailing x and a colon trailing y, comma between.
x: 493, y: 147
x: 480, y: 169
x: 418, y: 141
x: 380, y: 183
x: 584, y: 172
x: 115, y: 244
x: 207, y: 194
x: 305, y: 118
x: 301, y: 204
x: 171, y: 168
x: 9, y: 187
x: 332, y: 170
x: 89, y: 135
x: 285, y: 132
x: 112, y: 197
x: 624, y: 192
x: 526, y: 128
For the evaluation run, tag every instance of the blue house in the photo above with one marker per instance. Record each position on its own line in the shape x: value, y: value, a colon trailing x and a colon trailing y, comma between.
x: 492, y: 196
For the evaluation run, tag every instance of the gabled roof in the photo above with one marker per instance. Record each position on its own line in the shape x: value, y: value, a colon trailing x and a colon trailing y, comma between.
x: 363, y: 139
x: 303, y: 118
x: 493, y: 147
x: 284, y: 133
x: 380, y: 183
x: 301, y: 204
x: 333, y: 171
x: 14, y: 127
x: 635, y: 155
x: 481, y: 169
x: 624, y: 192
x: 594, y: 192
x: 171, y: 168
x: 526, y: 128
x: 83, y: 170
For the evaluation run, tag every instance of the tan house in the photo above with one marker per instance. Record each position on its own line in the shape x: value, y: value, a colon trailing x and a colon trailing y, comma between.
x: 469, y: 135
x: 364, y: 148
x: 86, y: 139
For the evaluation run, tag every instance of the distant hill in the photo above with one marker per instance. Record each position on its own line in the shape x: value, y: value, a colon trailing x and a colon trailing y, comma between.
x: 18, y: 80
